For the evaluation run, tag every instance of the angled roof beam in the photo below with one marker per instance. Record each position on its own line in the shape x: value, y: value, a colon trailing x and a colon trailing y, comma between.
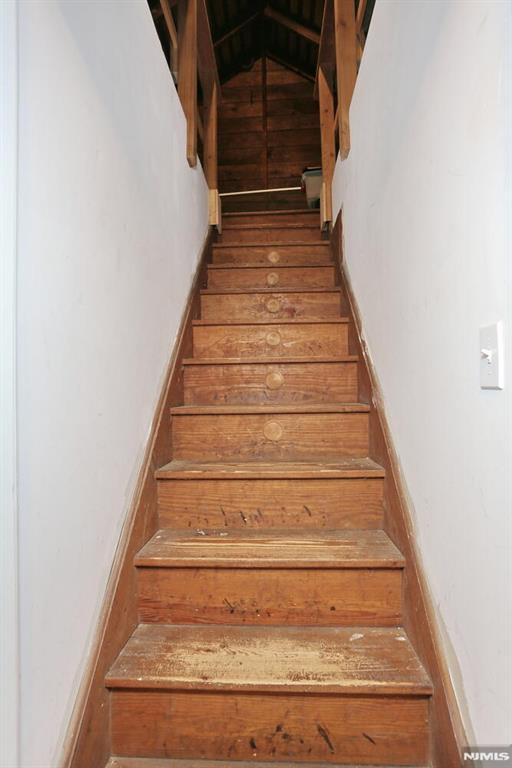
x: 295, y: 26
x: 165, y: 8
x: 236, y: 29
x: 293, y: 67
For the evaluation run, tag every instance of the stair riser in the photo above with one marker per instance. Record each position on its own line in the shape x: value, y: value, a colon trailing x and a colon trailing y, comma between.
x: 299, y: 255
x: 259, y: 504
x: 271, y: 235
x: 279, y: 437
x: 303, y: 597
x: 272, y: 383
x: 302, y: 340
x: 269, y: 277
x: 311, y: 219
x: 246, y: 307
x: 364, y: 730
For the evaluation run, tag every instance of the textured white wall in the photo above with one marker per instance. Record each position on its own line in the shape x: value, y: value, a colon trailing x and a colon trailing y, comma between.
x: 111, y: 224
x: 427, y: 209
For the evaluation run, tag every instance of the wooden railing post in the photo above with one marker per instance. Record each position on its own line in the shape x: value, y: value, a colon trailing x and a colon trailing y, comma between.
x: 346, y: 67
x: 327, y: 140
x: 187, y: 66
x: 210, y: 152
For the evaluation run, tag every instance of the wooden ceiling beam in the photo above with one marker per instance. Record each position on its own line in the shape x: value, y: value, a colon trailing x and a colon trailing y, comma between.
x: 244, y: 23
x: 294, y: 26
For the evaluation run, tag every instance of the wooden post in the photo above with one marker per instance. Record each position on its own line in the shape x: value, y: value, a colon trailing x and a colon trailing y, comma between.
x: 346, y: 68
x: 327, y: 140
x: 210, y: 138
x: 187, y: 67
x: 210, y: 154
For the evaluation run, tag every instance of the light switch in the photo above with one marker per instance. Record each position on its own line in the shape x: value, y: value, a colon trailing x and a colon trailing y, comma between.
x: 491, y: 357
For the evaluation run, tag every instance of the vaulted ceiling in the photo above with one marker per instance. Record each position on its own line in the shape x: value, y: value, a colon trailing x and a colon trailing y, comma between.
x: 287, y: 31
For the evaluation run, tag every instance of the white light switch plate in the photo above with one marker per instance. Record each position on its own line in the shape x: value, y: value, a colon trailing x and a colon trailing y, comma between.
x: 491, y: 357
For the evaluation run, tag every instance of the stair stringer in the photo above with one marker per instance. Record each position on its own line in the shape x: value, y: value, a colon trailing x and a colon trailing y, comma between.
x: 419, y: 619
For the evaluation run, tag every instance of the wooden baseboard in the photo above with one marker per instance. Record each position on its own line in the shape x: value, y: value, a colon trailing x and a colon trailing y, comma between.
x: 87, y: 742
x: 419, y: 616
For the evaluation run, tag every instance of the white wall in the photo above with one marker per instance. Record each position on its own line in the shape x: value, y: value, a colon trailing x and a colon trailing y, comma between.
x: 111, y: 224
x: 9, y: 625
x: 427, y: 212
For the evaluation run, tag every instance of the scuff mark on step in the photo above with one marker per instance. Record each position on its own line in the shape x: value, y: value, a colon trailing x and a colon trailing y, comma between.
x: 369, y: 738
x: 244, y: 519
x: 232, y: 608
x: 325, y: 736
x: 308, y: 511
x: 252, y: 743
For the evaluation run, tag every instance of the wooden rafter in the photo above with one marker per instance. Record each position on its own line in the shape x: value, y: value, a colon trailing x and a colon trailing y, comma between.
x: 241, y: 25
x: 294, y: 26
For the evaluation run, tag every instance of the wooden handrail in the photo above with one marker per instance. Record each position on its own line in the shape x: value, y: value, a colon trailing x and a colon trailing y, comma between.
x: 187, y: 68
x: 341, y: 44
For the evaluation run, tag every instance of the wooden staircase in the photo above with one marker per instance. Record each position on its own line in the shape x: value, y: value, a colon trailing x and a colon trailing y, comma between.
x: 270, y: 600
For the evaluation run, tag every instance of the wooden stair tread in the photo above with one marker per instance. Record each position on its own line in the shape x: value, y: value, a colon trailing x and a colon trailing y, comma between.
x: 268, y: 360
x: 149, y: 762
x: 353, y: 660
x: 283, y: 321
x: 279, y: 212
x: 343, y: 467
x: 274, y: 290
x: 266, y: 267
x: 274, y: 244
x: 280, y: 225
x: 270, y: 549
x: 240, y: 410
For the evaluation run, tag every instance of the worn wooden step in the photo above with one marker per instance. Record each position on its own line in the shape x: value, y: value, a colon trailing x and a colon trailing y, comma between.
x: 283, y: 338
x: 375, y: 661
x: 329, y: 578
x: 280, y: 432
x: 271, y: 233
x: 272, y: 253
x: 253, y: 687
x: 271, y: 217
x: 246, y: 276
x: 244, y: 305
x: 148, y: 762
x: 347, y: 493
x: 266, y: 380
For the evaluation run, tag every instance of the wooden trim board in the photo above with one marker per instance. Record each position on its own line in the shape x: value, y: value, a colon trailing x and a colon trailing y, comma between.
x: 419, y: 619
x: 88, y: 738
